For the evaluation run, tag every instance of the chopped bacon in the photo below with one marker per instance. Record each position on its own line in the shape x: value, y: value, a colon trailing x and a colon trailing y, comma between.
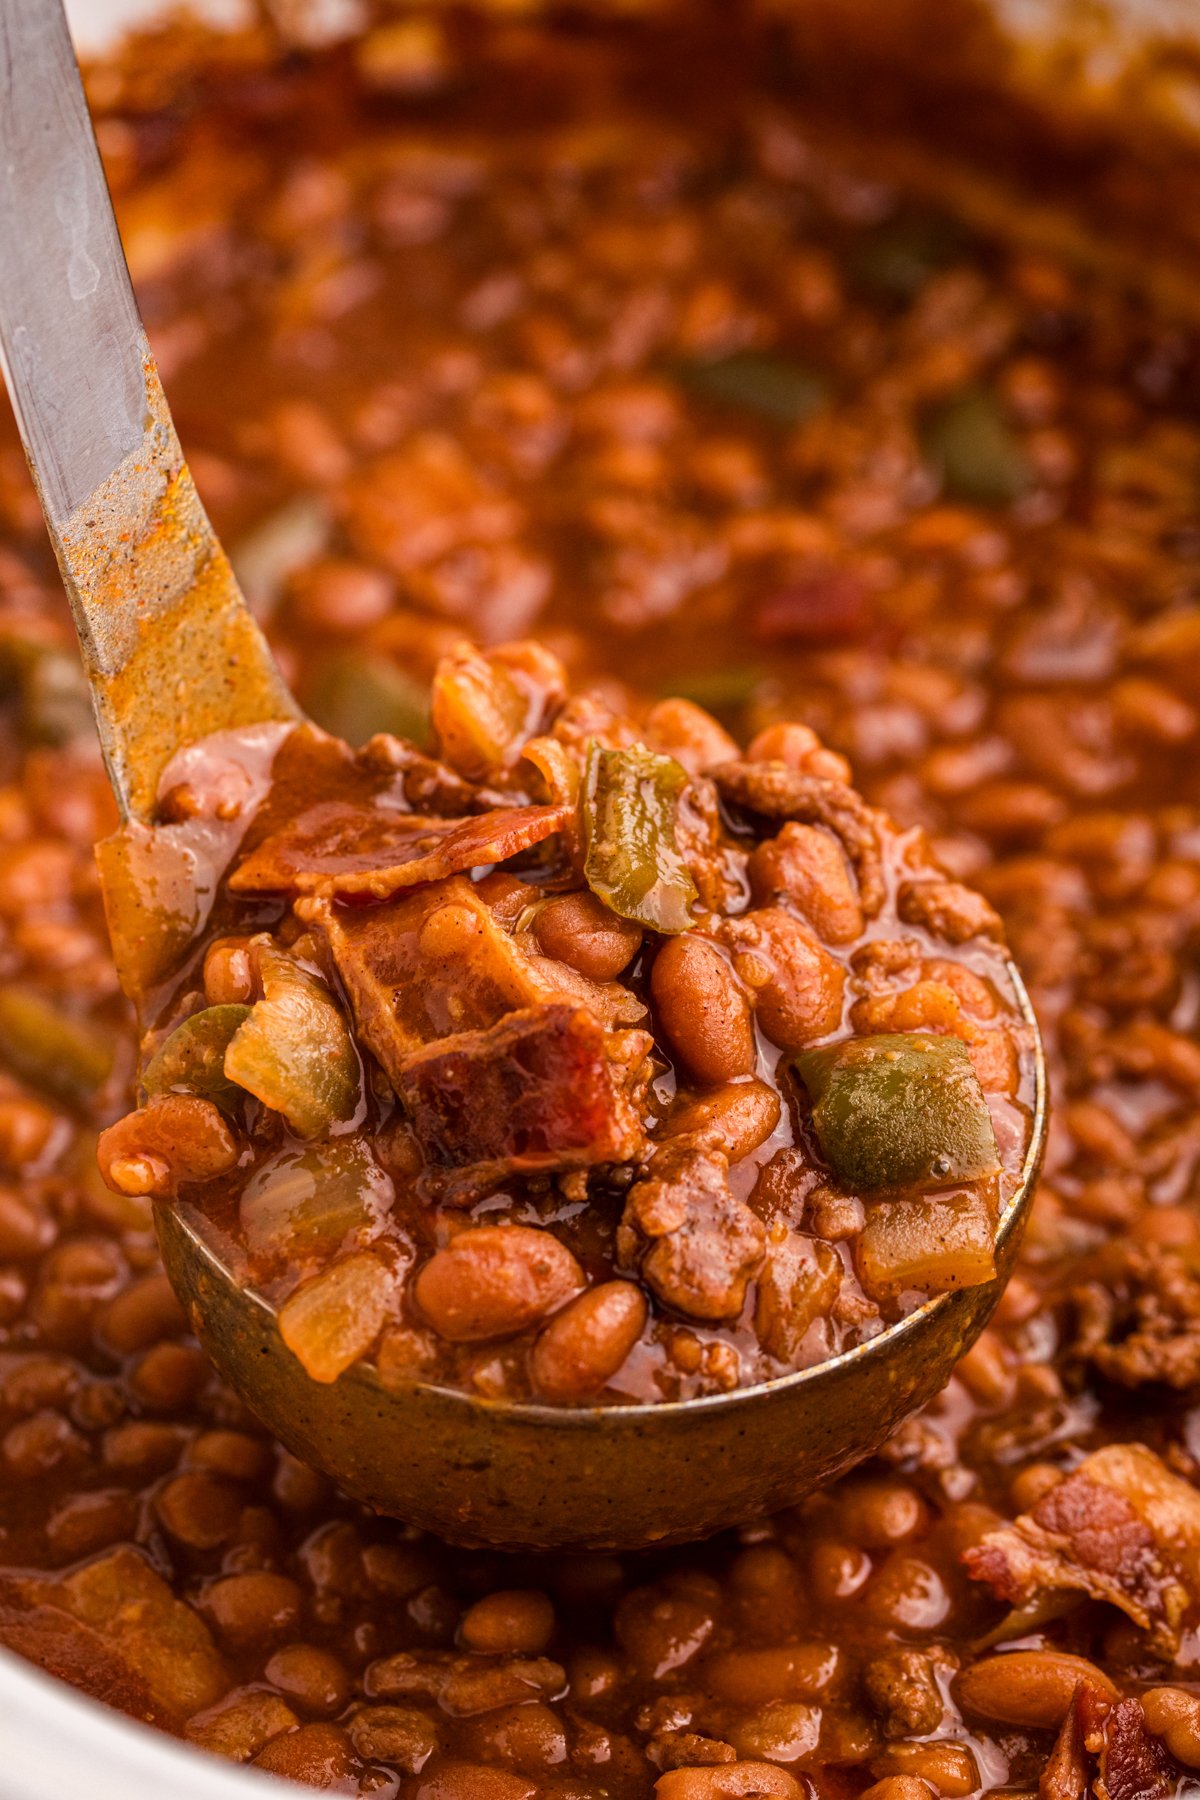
x: 1121, y: 1528
x: 424, y: 966
x: 1065, y: 1776
x: 547, y: 1088
x: 705, y: 1243
x: 775, y: 791
x: 374, y: 852
x: 1134, y: 1764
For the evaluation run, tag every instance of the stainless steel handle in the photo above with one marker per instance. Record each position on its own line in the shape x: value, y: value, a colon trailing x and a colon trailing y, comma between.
x: 168, y: 644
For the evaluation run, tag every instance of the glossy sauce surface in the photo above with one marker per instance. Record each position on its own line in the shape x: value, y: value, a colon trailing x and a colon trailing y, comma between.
x: 469, y: 375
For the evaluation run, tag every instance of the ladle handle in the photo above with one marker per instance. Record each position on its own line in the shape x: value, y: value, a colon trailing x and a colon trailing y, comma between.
x: 170, y: 648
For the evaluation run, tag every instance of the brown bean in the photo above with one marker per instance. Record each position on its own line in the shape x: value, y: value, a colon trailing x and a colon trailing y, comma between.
x: 808, y: 866
x: 729, y: 1781
x: 801, y: 1671
x: 898, y: 1787
x: 579, y: 930
x: 199, y: 1510
x: 703, y: 1009
x: 735, y: 1118
x: 529, y: 1738
x: 509, y: 1622
x: 494, y: 1281
x: 252, y: 1608
x: 1174, y: 1716
x: 681, y: 729
x: 312, y: 1677
x: 475, y: 1781
x: 318, y: 1755
x: 581, y: 1349
x: 25, y: 1228
x: 1033, y: 1688
x: 797, y: 985
x: 949, y: 1769
x: 798, y: 747
x: 396, y: 1734
x: 877, y: 1511
x: 142, y: 1314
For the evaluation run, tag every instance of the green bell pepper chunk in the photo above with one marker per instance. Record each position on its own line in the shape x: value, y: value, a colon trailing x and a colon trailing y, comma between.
x: 192, y: 1059
x: 50, y: 1049
x: 974, y: 450
x: 631, y: 857
x: 775, y: 387
x: 899, y: 1110
x: 294, y: 1052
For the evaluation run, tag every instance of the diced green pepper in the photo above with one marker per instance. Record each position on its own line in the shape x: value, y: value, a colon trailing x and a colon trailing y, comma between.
x: 774, y: 387
x: 313, y: 1201
x: 354, y: 696
x: 55, y: 700
x: 900, y: 1110
x: 192, y: 1060
x: 631, y: 857
x: 51, y: 1050
x: 971, y: 445
x: 721, y: 691
x: 294, y: 1052
x: 934, y: 1242
x: 898, y: 257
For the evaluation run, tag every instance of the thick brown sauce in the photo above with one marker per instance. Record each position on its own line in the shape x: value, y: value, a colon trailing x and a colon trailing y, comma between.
x: 460, y: 343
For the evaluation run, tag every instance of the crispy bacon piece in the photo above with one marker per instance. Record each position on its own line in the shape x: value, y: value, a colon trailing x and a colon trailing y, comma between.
x: 374, y: 852
x: 1134, y: 1764
x: 1121, y: 1528
x: 775, y: 791
x: 547, y: 1088
x: 424, y: 966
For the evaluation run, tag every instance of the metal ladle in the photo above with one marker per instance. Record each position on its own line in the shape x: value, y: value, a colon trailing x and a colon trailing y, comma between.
x: 172, y: 654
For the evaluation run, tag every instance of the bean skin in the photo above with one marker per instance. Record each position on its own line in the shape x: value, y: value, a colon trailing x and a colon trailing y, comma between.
x: 510, y: 1622
x: 703, y: 1009
x: 579, y: 930
x: 797, y: 984
x: 495, y: 1281
x: 809, y: 867
x: 734, y: 1118
x: 581, y: 1349
x: 729, y: 1781
x: 1174, y: 1716
x: 1032, y: 1688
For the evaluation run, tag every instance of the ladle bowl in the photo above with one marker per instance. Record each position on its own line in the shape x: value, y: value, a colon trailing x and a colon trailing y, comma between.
x: 522, y: 1476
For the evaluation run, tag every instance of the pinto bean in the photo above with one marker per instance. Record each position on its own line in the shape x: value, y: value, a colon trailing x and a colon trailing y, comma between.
x: 495, y: 1281
x: 510, y: 1622
x: 798, y: 747
x: 692, y: 736
x: 703, y: 1008
x: 1174, y: 1716
x: 1032, y: 1688
x: 735, y: 1118
x: 807, y: 865
x: 176, y: 1138
x: 581, y: 1349
x: 729, y: 1781
x: 797, y: 985
x: 581, y: 931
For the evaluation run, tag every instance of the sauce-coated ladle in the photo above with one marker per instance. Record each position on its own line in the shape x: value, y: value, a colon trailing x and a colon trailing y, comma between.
x: 172, y: 654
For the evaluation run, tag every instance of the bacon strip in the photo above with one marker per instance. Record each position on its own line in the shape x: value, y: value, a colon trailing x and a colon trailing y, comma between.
x: 1121, y: 1528
x: 425, y: 966
x: 374, y: 852
x: 547, y: 1088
